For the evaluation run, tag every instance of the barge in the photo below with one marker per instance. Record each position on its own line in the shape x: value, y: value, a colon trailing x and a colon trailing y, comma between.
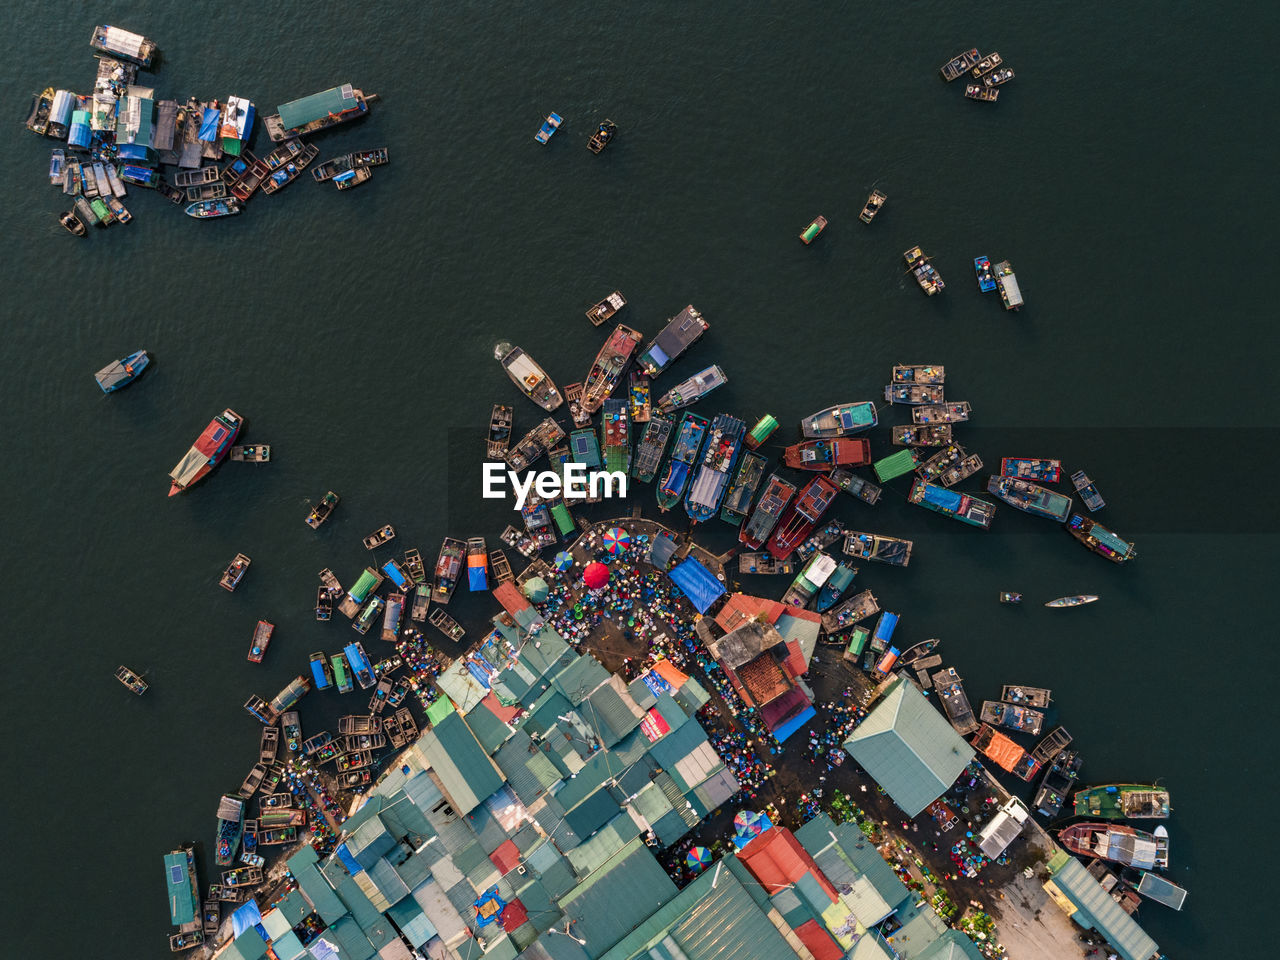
x: 676, y: 337
x: 317, y: 112
x: 872, y: 546
x: 1010, y: 292
x: 657, y: 433
x: 773, y: 503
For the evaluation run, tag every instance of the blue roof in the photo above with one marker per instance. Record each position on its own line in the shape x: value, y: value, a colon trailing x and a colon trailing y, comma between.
x: 210, y: 123
x: 941, y: 497
x: 698, y: 583
x: 885, y: 628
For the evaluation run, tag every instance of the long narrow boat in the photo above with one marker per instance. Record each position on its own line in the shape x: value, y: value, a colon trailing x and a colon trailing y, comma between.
x: 657, y: 432
x: 801, y: 517
x: 997, y: 77
x: 528, y: 376
x: 421, y: 602
x: 913, y: 393
x: 932, y: 435
x: 919, y: 373
x: 693, y: 429
x: 854, y: 609
x: 573, y: 396
x: 712, y: 480
x: 352, y: 178
x: 1118, y: 843
x: 674, y: 339
x: 953, y: 412
x: 446, y: 625
x: 1123, y: 801
x: 825, y: 455
x: 1039, y: 697
x: 976, y: 91
x: 207, y: 452
x: 773, y: 503
x: 957, y: 67
x: 384, y: 534
x: 535, y: 444
x: 949, y: 503
x: 925, y: 273
x: 358, y: 160
x: 261, y: 640
x: 840, y: 421
x: 1021, y: 719
x: 1030, y: 498
x: 967, y: 467
x: 477, y: 564
x: 1100, y: 540
x: 615, y: 436
x: 1078, y: 600
x: 1088, y: 492
x: 609, y: 365
x: 855, y: 486
x: 692, y: 390
x: 945, y: 458
x: 982, y: 270
x: 499, y: 431
x: 1037, y: 469
x: 737, y: 502
x: 132, y: 681
x: 234, y: 573
x: 230, y: 829
x: 448, y: 569
x: 318, y: 111
x: 501, y: 566
x: 882, y: 549
x: 639, y: 397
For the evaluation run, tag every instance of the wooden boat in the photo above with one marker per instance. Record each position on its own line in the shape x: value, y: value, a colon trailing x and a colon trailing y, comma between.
x: 253, y: 453
x: 352, y: 178
x: 975, y: 91
x: 331, y: 169
x: 815, y: 227
x: 548, y: 128
x: 603, y: 136
x: 1038, y: 469
x: 170, y: 193
x: 368, y: 614
x: 399, y: 691
x: 212, y: 209
x: 261, y: 640
x: 1104, y: 542
x: 933, y: 435
x: 1008, y: 597
x: 312, y: 745
x: 197, y: 177
x: 207, y: 191
x: 855, y: 486
x: 131, y: 680
x: 352, y: 724
x: 379, y: 537
x: 763, y: 564
x: 242, y: 877
x: 913, y: 393
x: 1052, y: 745
x: 985, y: 65
x: 532, y: 380
x: 232, y: 576
x: 449, y: 565
x: 421, y: 602
x: 839, y: 421
x: 355, y: 778
x: 319, y: 514
x: 501, y: 566
x: 446, y: 625
x: 286, y: 162
x: 639, y: 397
x: 982, y: 269
x: 277, y: 835
x: 926, y: 274
x: 41, y: 105
x: 269, y: 745
x: 380, y: 694
x: 919, y: 373
x: 1012, y: 716
x: 954, y: 701
x: 606, y: 308
x: 874, y: 546
x: 958, y: 66
x: 244, y: 175
x: 413, y: 565
x: 210, y: 918
x: 185, y: 940
x: 967, y: 467
x: 941, y: 461
x: 953, y: 412
x: 499, y: 431
x: 1076, y: 601
x: 917, y: 652
x: 994, y: 79
x: 73, y: 223
x: 1088, y: 492
x: 324, y: 604
x: 330, y: 582
x: 848, y: 614
x: 1026, y: 696
x: 251, y: 784
x: 872, y: 206
x: 354, y: 761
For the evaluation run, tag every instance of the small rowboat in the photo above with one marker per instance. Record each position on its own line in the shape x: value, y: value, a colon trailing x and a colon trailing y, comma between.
x: 1006, y: 597
x: 549, y: 126
x: 1076, y: 601
x: 813, y: 229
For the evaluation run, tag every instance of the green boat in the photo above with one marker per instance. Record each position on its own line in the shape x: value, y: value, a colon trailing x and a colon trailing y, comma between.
x: 737, y: 502
x: 896, y: 464
x: 762, y: 431
x: 693, y: 430
x: 1123, y: 801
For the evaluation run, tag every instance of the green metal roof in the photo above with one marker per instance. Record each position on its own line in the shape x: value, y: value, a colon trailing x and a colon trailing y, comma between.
x: 952, y: 945
x: 895, y: 465
x: 487, y: 728
x: 298, y: 113
x: 1096, y: 910
x: 580, y: 678
x: 304, y: 867
x: 909, y: 748
x: 860, y: 856
x: 184, y: 903
x: 618, y: 897
x: 248, y: 946
x: 728, y: 925
x: 368, y: 580
x: 465, y: 770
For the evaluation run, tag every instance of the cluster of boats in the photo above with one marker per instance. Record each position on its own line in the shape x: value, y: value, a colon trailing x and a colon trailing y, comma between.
x: 988, y: 71
x: 601, y: 137
x: 120, y: 135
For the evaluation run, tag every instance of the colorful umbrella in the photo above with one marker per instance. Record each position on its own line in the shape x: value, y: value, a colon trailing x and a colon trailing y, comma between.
x: 595, y: 576
x: 536, y: 589
x: 616, y: 540
x: 698, y: 858
x: 747, y: 823
x: 563, y: 561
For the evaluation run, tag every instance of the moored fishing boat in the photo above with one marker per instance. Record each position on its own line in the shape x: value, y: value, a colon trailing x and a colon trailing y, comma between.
x: 882, y: 549
x: 585, y: 448
x: 477, y: 564
x: 958, y: 66
x: 672, y: 341
x: 549, y: 127
x: 976, y: 91
x: 761, y: 432
x: 997, y: 77
x: 815, y: 227
x: 535, y: 444
x: 657, y: 432
x: 724, y: 441
x: 413, y: 564
x: 1030, y: 497
x: 57, y: 167
x: 763, y: 564
x: 926, y: 275
x: 931, y: 435
x: 392, y: 616
x: 384, y: 534
x: 321, y: 672
x: 1088, y: 492
x: 1022, y: 719
x: 985, y: 65
x: 1123, y: 801
x: 352, y: 178
x: 872, y: 207
x: 824, y: 455
x: 132, y: 681
x: 837, y: 583
x: 252, y: 453
x: 573, y: 397
x: 332, y: 169
x: 839, y: 421
x: 73, y: 223
x: 1010, y: 292
x: 320, y: 512
x: 1027, y: 696
x: 1118, y: 843
x: 269, y: 743
x: 528, y: 376
x: 773, y: 503
x: 606, y: 308
x: 448, y: 569
x: 499, y: 431
x: 949, y: 503
x: 230, y: 829
x: 964, y: 468
x: 1031, y: 468
x: 261, y: 640
x: 501, y: 566
x: 41, y: 106
x: 952, y: 412
x: 317, y: 111
x: 615, y: 436
x: 639, y: 397
x: 211, y: 209
x: 421, y: 602
x: 286, y: 162
x: 690, y: 391
x: 211, y: 918
x: 123, y: 372
x: 855, y: 486
x: 982, y: 268
x: 854, y: 609
x: 207, y: 452
x: 123, y: 44
x: 919, y: 373
x: 896, y: 464
x: 684, y: 453
x: 608, y: 366
x: 1076, y: 601
x: 185, y: 940
x: 446, y: 625
x: 1009, y: 597
x: 913, y: 393
x: 1059, y: 777
x: 813, y: 576
x: 737, y: 501
x: 237, y: 124
x: 1100, y: 540
x: 234, y: 573
x: 603, y: 136
x: 361, y: 668
x: 365, y: 619
x: 955, y: 702
x: 801, y: 517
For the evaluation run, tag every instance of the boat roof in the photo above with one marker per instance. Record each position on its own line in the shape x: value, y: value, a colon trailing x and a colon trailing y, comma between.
x: 300, y: 112
x: 1162, y: 891
x: 1109, y: 539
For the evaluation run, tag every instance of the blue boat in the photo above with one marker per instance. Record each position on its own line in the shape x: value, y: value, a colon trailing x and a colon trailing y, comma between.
x: 986, y: 280
x: 683, y: 455
x: 549, y: 126
x: 712, y: 480
x: 123, y: 372
x: 360, y: 665
x: 835, y: 587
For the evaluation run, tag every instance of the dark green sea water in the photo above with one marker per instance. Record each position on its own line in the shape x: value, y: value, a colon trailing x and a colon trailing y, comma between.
x: 1124, y: 172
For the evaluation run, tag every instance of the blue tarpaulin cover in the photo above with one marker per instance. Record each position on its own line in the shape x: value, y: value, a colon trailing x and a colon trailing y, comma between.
x: 357, y: 661
x: 942, y: 497
x: 210, y: 124
x: 245, y: 917
x: 317, y: 674
x: 476, y: 578
x: 698, y: 583
x: 795, y: 723
x: 885, y: 628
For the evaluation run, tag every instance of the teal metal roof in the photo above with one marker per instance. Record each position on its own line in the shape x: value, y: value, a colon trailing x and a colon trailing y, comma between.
x: 529, y: 773
x: 592, y: 813
x: 304, y: 867
x: 920, y: 928
x: 488, y: 730
x: 595, y: 851
x: 184, y: 904
x: 1096, y: 910
x: 464, y: 768
x: 294, y: 907
x: 413, y: 923
x: 544, y: 711
x: 618, y: 897
x: 859, y: 855
x: 300, y: 112
x: 248, y: 946
x: 952, y: 945
x: 909, y: 748
x: 580, y: 678
x: 728, y: 925
x: 352, y: 943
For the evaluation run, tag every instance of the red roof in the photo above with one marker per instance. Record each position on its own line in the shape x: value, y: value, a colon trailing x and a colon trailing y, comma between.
x: 513, y: 915
x: 819, y: 942
x: 741, y: 607
x: 506, y: 858
x: 512, y: 600
x: 776, y: 859
x: 504, y: 713
x: 794, y: 662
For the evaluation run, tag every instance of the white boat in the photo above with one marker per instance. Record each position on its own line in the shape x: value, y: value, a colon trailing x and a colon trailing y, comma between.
x: 1076, y: 601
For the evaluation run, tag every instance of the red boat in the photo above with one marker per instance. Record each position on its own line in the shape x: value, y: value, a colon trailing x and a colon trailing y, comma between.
x: 207, y: 452
x: 801, y: 517
x: 825, y: 454
x: 261, y: 640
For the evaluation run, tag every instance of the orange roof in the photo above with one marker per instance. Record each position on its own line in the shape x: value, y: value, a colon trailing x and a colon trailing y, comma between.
x: 819, y: 942
x: 498, y: 709
x: 776, y: 859
x: 669, y: 672
x: 507, y: 857
x: 1003, y: 751
x: 509, y: 595
x: 794, y: 660
x: 741, y: 607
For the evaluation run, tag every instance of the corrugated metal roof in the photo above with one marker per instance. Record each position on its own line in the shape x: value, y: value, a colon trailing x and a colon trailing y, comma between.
x: 465, y: 770
x: 592, y: 813
x: 303, y: 866
x: 415, y: 869
x: 248, y: 946
x: 728, y: 925
x: 677, y: 744
x: 580, y: 678
x: 529, y: 773
x: 317, y: 106
x: 488, y: 730
x: 697, y: 765
x: 920, y: 928
x: 550, y: 816
x: 371, y: 921
x: 1096, y: 909
x: 542, y: 716
x: 859, y: 854
x: 612, y: 712
x: 692, y: 695
x: 716, y: 790
x: 439, y: 911
x: 909, y: 748
x: 592, y: 853
x: 352, y: 942
x: 389, y: 883
x: 293, y: 907
x: 370, y: 842
x: 952, y: 945
x: 618, y: 897
x: 413, y: 923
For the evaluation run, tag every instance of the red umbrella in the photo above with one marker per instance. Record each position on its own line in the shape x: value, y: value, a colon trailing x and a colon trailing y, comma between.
x: 595, y: 576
